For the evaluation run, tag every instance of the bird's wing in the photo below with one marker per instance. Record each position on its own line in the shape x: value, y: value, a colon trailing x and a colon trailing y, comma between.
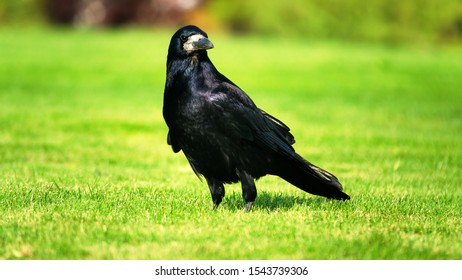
x: 282, y: 127
x: 241, y: 119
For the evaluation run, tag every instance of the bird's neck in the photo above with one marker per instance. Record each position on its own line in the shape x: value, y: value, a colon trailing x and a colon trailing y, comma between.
x: 189, y: 76
x: 193, y: 60
x: 185, y: 68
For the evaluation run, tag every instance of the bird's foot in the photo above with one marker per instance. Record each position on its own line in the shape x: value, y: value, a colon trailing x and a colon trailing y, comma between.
x: 215, y: 206
x: 248, y: 206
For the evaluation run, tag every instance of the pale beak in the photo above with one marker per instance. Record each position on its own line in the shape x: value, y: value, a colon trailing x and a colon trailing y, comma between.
x: 197, y: 42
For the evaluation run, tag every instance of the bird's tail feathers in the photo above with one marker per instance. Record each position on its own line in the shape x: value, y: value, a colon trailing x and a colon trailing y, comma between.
x: 311, y: 178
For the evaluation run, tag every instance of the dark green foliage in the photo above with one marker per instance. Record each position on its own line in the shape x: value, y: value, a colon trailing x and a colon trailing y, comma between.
x: 391, y: 21
x: 378, y: 20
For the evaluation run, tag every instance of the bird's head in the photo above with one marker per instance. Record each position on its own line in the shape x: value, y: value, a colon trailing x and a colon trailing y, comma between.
x: 188, y: 41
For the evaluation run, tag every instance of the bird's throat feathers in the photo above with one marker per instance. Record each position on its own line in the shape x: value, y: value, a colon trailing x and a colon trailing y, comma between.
x: 187, y: 66
x: 193, y: 60
x: 184, y: 69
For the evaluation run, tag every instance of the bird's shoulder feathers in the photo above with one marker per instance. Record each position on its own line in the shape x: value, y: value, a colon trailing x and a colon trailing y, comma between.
x: 240, y: 116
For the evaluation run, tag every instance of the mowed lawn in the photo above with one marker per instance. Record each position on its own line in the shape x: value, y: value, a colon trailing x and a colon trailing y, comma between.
x: 86, y: 173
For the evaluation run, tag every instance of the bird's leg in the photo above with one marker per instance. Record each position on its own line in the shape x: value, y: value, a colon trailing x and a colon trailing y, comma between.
x: 217, y: 190
x: 249, y: 191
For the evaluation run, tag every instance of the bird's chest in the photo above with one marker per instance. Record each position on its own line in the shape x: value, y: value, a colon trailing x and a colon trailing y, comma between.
x: 190, y: 110
x: 190, y: 101
x: 193, y: 111
x: 193, y: 115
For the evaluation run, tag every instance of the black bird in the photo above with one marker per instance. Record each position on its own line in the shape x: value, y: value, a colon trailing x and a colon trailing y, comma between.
x: 223, y: 134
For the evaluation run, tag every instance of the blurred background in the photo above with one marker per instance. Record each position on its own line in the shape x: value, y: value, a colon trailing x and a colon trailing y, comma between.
x: 391, y: 21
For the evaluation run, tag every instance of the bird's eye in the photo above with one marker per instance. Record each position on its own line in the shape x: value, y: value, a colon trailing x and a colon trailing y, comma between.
x: 183, y: 38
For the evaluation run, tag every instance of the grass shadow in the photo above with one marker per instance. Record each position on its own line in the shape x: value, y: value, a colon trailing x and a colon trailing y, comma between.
x: 271, y: 201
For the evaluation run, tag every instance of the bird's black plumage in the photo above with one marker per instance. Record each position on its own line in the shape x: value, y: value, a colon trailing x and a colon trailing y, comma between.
x: 223, y: 134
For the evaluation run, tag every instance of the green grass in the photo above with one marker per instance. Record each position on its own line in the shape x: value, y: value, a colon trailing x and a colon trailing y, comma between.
x: 86, y: 172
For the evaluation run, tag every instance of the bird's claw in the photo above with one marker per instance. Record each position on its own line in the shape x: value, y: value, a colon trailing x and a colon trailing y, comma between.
x: 248, y: 206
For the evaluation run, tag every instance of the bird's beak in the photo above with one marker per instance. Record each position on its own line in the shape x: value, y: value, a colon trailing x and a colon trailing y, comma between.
x: 197, y: 42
